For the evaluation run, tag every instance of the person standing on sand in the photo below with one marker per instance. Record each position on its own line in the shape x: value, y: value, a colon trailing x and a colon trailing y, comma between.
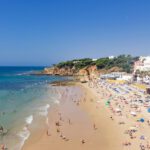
x: 83, y: 141
x: 69, y: 121
x: 94, y: 126
x: 48, y: 134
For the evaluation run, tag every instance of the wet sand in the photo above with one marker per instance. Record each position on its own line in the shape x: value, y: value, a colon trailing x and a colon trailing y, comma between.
x: 78, y: 123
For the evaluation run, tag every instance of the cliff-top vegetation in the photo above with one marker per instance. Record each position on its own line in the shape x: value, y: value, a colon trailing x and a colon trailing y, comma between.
x: 125, y: 62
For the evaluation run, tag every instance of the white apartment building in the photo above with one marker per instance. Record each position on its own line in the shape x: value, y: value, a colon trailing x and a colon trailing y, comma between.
x: 143, y: 64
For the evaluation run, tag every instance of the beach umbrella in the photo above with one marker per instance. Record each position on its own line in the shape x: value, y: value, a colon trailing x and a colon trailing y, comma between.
x: 142, y: 120
x: 107, y: 103
x: 133, y: 128
x: 118, y: 110
x: 148, y: 110
x: 142, y: 137
x: 133, y: 113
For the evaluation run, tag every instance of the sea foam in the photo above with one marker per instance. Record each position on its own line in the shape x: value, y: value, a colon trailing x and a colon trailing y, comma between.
x: 24, y: 135
x: 29, y: 119
x: 56, y: 101
x: 44, y: 110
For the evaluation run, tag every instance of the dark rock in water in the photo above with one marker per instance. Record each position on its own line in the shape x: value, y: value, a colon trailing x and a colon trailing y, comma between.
x: 1, y: 128
x: 63, y: 83
x: 3, y: 131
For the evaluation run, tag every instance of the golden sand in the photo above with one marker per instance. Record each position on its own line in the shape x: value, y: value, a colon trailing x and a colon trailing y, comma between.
x: 84, y: 125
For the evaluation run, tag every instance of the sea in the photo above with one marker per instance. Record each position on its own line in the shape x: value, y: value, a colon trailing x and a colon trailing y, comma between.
x: 24, y: 99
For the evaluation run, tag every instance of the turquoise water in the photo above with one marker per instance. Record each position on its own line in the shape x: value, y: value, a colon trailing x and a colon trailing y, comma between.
x: 22, y: 99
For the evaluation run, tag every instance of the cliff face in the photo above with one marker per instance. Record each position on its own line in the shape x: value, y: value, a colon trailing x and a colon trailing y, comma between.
x: 88, y: 71
x: 59, y: 71
x: 114, y: 69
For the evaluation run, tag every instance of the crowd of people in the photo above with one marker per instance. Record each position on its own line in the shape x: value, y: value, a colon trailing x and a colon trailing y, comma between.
x: 130, y: 107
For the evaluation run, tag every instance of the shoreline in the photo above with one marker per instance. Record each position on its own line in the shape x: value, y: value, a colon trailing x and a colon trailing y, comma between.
x: 87, y: 131
x: 95, y: 115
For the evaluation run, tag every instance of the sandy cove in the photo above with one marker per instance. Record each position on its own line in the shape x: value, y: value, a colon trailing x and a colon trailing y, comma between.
x: 81, y: 122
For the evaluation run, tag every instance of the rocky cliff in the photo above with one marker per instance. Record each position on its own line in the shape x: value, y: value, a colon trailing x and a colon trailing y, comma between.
x: 66, y: 71
x: 59, y: 71
x: 84, y: 74
x: 89, y: 71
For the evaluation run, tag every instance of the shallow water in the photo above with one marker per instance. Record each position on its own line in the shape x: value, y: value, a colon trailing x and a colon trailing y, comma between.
x: 23, y: 100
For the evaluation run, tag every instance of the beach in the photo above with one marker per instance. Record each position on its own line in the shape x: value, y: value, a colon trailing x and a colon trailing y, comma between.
x: 24, y: 101
x: 74, y: 75
x: 95, y: 115
x: 84, y: 124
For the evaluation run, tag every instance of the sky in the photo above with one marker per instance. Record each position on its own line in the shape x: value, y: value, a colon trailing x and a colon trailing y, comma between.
x: 43, y: 32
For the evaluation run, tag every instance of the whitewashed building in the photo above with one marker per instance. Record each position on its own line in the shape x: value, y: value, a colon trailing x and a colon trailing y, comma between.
x: 94, y: 59
x: 111, y: 57
x: 146, y: 79
x: 143, y: 64
x: 126, y: 77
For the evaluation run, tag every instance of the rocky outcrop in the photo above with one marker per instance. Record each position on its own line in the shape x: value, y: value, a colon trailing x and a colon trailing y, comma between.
x: 60, y: 71
x: 84, y: 74
x: 114, y: 69
x: 66, y: 71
